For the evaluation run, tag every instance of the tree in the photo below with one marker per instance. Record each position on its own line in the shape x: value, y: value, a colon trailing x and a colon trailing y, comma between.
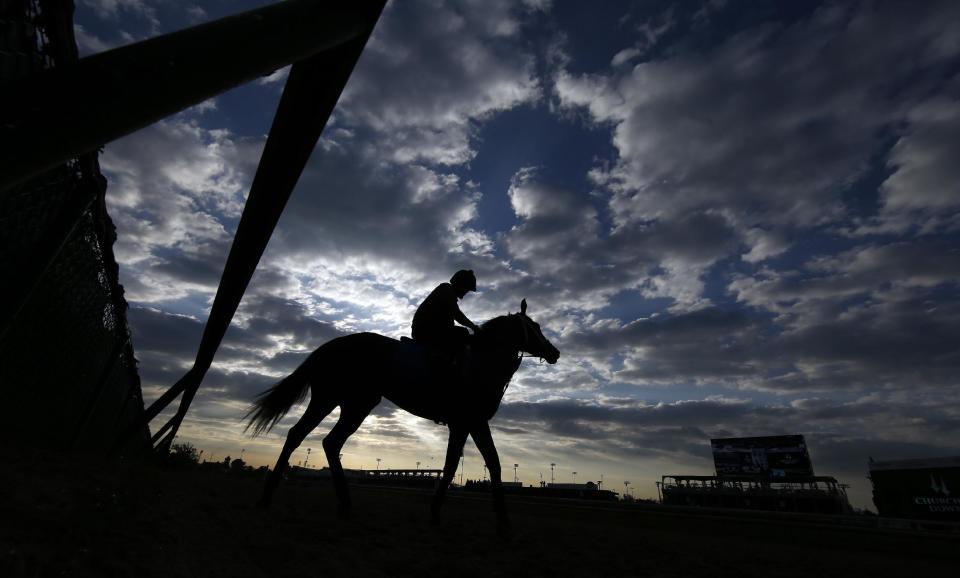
x: 183, y: 455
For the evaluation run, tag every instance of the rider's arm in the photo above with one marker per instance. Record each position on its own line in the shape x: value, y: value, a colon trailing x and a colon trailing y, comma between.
x: 462, y: 319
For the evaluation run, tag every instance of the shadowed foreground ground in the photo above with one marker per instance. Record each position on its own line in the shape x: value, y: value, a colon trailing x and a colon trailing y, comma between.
x: 62, y: 517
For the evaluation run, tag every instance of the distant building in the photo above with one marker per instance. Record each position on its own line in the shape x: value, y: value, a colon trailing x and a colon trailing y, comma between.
x: 404, y: 478
x: 926, y: 489
x: 759, y: 473
x: 816, y: 494
x: 587, y: 491
x: 300, y: 473
x: 589, y: 486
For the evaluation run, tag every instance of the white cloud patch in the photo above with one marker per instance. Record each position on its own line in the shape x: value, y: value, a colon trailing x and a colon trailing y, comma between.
x: 172, y: 187
x: 764, y: 244
x: 115, y: 9
x: 89, y: 43
x: 923, y: 193
x: 275, y: 77
x: 770, y: 125
x: 423, y: 81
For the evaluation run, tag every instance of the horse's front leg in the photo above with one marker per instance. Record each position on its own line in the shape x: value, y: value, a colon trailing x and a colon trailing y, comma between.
x: 458, y: 437
x: 481, y: 436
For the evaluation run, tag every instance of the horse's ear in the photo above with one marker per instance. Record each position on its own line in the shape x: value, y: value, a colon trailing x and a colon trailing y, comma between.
x: 523, y: 307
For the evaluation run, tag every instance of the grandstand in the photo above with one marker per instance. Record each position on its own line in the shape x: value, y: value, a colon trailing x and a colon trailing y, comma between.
x: 403, y: 478
x: 816, y: 494
x: 772, y: 473
x: 588, y: 491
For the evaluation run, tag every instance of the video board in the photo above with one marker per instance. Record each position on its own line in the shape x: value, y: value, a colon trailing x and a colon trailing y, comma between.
x: 767, y: 456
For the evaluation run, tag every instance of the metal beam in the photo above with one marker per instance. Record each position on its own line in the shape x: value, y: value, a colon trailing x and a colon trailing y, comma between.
x: 60, y: 113
x: 309, y: 97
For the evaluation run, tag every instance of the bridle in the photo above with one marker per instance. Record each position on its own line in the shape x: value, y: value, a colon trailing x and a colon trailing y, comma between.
x: 526, y: 338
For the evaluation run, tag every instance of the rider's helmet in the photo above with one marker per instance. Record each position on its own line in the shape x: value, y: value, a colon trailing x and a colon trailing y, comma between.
x: 464, y: 280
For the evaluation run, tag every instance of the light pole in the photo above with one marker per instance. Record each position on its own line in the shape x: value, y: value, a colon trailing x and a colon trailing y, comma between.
x: 552, y: 465
x: 515, y: 479
x: 484, y: 472
x: 241, y: 453
x: 461, y: 468
x: 574, y: 478
x: 378, y: 464
x: 626, y: 489
x: 418, y: 466
x: 304, y: 461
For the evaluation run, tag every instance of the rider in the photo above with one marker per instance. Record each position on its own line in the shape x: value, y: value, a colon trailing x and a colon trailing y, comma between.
x: 433, y: 323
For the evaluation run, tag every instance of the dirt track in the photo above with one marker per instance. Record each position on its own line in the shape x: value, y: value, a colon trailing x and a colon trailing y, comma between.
x: 62, y: 518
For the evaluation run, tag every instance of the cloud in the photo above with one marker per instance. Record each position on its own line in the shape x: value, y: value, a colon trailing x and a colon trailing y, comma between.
x: 851, y: 321
x: 561, y: 238
x: 360, y: 220
x: 872, y: 270
x: 115, y: 9
x: 277, y: 76
x: 770, y: 123
x: 922, y: 193
x: 89, y: 43
x: 707, y: 346
x: 740, y: 150
x: 764, y: 244
x: 624, y: 56
x: 173, y: 188
x: 423, y: 81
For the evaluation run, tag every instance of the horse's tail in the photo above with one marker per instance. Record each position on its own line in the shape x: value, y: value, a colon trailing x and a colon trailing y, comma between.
x: 271, y: 405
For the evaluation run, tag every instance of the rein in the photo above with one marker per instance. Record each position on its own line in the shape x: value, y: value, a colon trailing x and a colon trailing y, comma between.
x: 526, y: 338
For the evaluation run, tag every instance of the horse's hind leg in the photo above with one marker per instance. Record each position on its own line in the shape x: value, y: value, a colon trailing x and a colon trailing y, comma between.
x: 316, y: 411
x: 351, y: 416
x: 458, y: 436
x: 481, y: 436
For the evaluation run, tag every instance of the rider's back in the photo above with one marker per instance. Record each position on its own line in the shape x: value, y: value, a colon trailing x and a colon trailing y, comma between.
x: 435, y: 316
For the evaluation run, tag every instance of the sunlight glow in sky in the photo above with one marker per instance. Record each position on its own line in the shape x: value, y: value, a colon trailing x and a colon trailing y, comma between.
x: 732, y: 218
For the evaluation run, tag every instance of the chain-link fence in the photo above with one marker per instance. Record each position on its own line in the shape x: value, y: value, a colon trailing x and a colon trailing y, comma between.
x: 68, y: 376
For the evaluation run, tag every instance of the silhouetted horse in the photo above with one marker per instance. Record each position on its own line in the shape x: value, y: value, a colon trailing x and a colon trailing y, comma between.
x: 356, y: 371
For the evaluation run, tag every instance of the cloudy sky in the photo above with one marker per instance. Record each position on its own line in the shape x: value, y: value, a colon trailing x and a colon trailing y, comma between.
x: 732, y: 218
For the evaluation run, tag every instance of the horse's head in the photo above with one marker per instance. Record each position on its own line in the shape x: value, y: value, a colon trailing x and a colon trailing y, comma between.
x: 534, y: 342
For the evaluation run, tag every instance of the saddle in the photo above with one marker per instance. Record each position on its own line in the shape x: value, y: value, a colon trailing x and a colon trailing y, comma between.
x: 435, y: 366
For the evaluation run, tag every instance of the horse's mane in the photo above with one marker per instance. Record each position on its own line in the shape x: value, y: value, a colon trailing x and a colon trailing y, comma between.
x: 496, y: 325
x: 494, y: 335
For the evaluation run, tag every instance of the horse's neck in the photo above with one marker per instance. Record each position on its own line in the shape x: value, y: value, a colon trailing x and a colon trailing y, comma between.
x: 500, y: 348
x: 499, y: 334
x: 500, y: 364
